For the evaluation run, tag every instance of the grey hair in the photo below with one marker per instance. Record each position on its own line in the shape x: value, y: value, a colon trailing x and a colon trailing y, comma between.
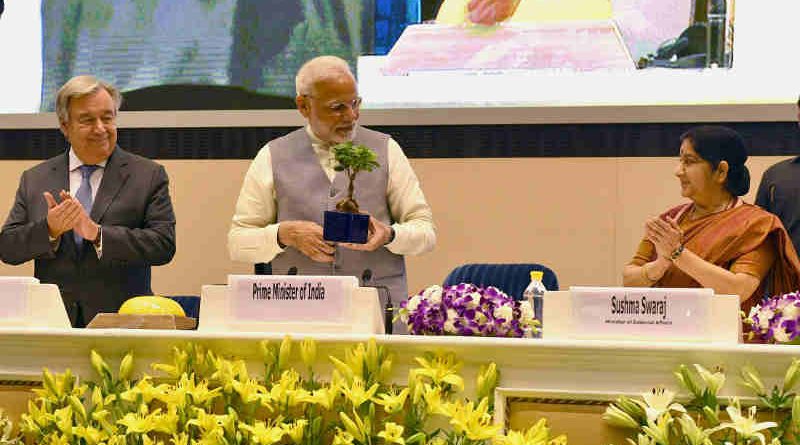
x: 80, y: 86
x: 320, y: 69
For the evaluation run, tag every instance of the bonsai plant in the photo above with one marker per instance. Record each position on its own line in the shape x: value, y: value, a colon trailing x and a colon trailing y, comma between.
x: 347, y: 224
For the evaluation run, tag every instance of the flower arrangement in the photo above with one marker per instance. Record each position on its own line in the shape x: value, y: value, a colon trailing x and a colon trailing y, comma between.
x: 776, y: 319
x: 466, y: 309
x: 204, y: 399
x: 659, y: 420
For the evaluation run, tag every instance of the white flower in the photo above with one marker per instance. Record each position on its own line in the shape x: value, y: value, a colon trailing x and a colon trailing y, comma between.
x: 746, y: 427
x: 430, y: 290
x: 659, y: 401
x: 505, y: 312
x: 476, y: 299
x: 435, y: 296
x: 780, y: 334
x: 450, y: 323
x: 413, y: 303
x: 764, y: 318
x: 526, y: 311
x: 713, y: 380
x: 791, y: 311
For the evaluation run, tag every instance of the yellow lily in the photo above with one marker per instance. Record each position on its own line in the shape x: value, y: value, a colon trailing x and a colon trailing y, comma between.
x: 263, y: 434
x: 166, y: 423
x: 249, y: 390
x: 77, y: 408
x: 137, y: 423
x: 356, y: 427
x: 269, y: 353
x: 295, y: 430
x: 342, y: 438
x: 357, y: 394
x: 101, y: 417
x: 488, y: 377
x: 441, y: 368
x: 284, y: 354
x: 146, y: 440
x: 392, y: 433
x: 99, y: 365
x: 63, y: 420
x: 392, y: 401
x: 433, y: 399
x: 126, y: 367
x: 308, y: 351
x: 145, y: 388
x: 180, y: 439
x: 539, y: 433
x: 473, y: 421
x: 90, y: 434
x: 324, y: 397
x: 207, y: 423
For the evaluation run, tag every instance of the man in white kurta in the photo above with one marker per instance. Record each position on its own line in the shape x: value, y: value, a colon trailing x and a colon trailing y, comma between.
x: 292, y: 181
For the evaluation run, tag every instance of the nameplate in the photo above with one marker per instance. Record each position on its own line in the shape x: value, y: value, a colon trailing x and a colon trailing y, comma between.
x: 632, y: 312
x: 14, y: 297
x: 289, y: 298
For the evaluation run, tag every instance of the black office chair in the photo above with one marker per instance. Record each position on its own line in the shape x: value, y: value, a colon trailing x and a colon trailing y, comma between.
x: 510, y: 278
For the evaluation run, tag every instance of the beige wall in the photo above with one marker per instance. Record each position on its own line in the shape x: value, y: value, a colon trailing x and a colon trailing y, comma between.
x: 580, y: 216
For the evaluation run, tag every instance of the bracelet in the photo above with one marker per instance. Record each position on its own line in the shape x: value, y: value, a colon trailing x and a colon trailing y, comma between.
x: 676, y: 253
x: 646, y: 277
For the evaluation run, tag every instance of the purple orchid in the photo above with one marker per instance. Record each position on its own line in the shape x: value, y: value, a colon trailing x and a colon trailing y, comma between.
x: 469, y: 310
x: 775, y: 319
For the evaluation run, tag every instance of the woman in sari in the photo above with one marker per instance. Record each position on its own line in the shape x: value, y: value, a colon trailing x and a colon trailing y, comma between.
x: 716, y: 240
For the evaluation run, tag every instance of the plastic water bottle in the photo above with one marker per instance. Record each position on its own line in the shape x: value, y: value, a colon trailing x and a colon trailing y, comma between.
x: 534, y: 294
x: 715, y: 34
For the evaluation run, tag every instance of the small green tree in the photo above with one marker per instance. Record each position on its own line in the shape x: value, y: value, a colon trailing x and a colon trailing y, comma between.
x: 352, y: 159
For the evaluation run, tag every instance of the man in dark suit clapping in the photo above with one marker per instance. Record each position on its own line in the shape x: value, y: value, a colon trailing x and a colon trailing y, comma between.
x: 96, y: 217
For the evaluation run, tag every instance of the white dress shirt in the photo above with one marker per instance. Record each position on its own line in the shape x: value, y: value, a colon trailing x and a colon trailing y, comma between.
x: 253, y: 236
x: 75, y: 181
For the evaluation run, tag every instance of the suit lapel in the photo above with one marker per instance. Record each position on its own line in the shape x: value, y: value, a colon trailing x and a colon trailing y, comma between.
x: 114, y: 177
x: 59, y: 179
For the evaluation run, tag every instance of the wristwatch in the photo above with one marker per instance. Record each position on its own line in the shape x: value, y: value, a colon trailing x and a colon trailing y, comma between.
x: 391, y: 235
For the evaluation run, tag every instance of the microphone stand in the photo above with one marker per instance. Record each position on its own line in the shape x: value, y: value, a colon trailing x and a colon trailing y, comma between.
x: 388, y: 309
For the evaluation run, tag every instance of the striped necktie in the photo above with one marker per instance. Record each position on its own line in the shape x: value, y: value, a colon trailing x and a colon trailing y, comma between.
x: 84, y: 196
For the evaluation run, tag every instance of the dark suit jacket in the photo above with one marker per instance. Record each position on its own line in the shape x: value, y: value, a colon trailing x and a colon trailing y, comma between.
x: 135, y: 211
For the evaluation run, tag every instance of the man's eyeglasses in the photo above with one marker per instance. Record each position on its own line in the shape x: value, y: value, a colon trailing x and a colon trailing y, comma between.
x: 338, y: 107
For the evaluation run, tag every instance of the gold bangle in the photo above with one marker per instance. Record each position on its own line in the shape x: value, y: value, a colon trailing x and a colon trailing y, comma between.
x: 644, y: 274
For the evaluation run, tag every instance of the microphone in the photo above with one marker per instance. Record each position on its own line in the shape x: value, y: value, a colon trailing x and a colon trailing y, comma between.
x: 388, y: 310
x: 292, y: 271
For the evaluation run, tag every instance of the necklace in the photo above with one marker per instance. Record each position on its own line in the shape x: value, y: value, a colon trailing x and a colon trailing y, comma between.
x: 728, y: 205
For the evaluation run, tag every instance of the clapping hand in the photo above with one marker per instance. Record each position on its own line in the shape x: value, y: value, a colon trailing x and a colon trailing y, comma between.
x: 63, y: 216
x: 665, y: 234
x: 67, y: 215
